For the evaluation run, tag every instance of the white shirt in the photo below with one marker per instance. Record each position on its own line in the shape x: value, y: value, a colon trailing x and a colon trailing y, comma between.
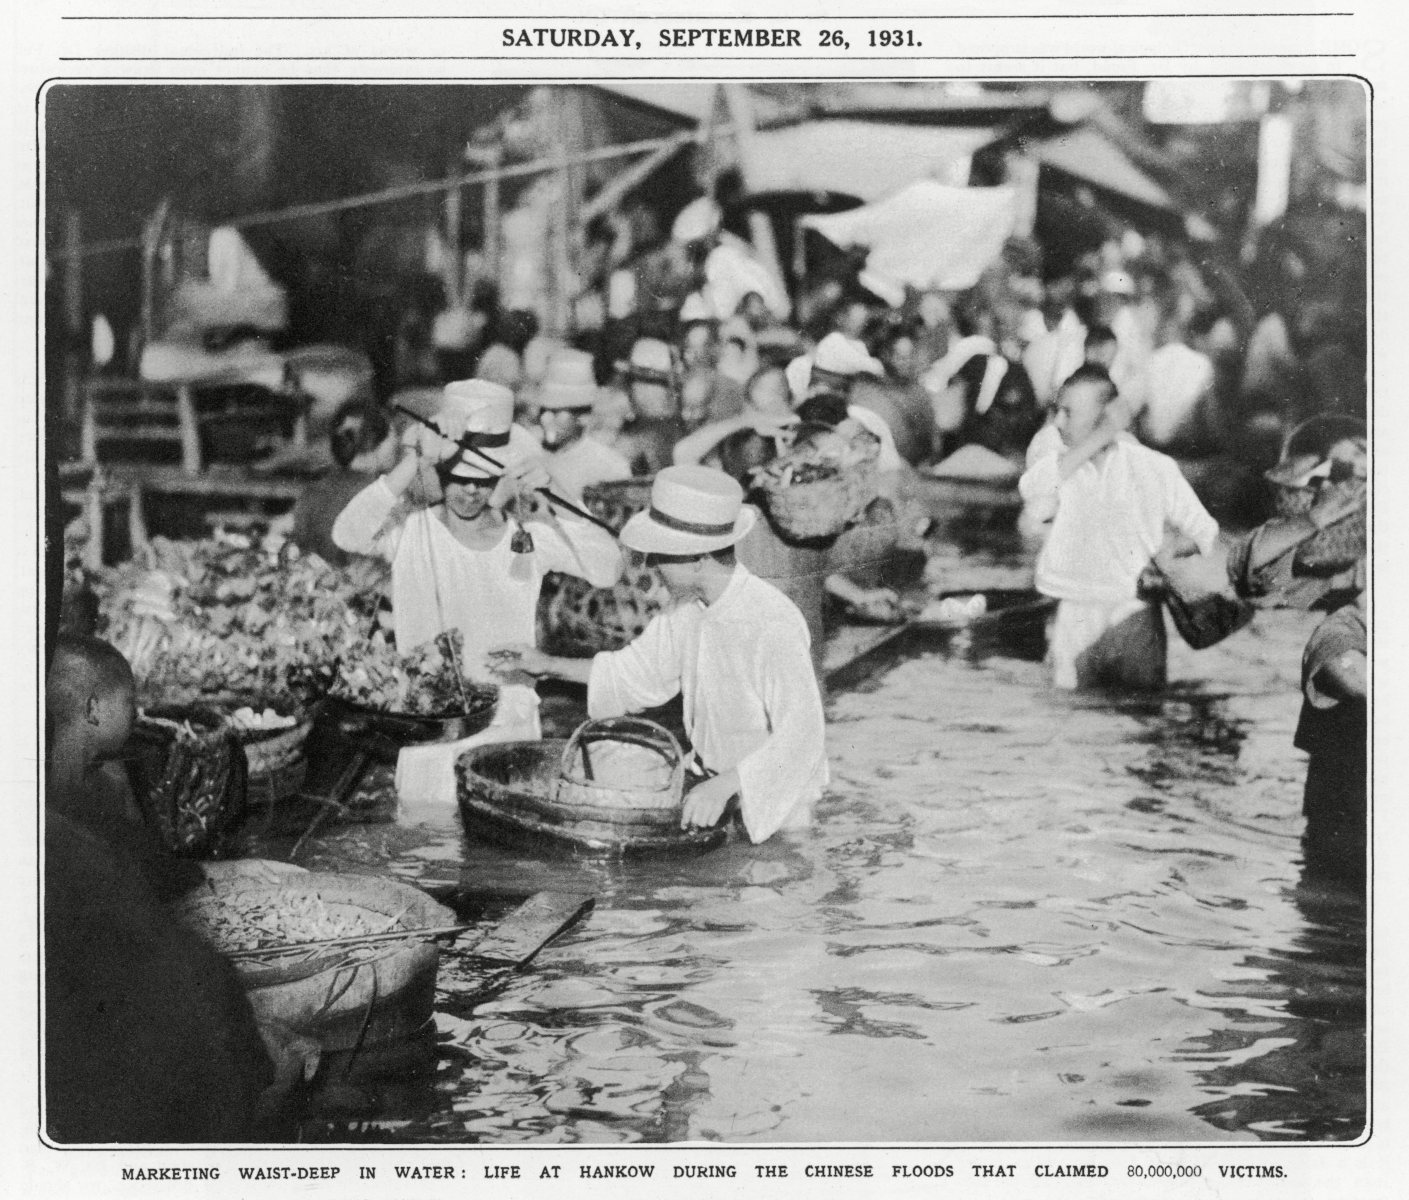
x: 584, y: 462
x: 437, y: 583
x: 744, y: 669
x: 1055, y: 354
x: 732, y: 270
x: 1177, y: 379
x: 1109, y: 519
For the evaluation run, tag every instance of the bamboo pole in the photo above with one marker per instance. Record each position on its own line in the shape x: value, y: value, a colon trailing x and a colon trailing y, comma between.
x: 73, y: 273
x: 454, y: 242
x: 760, y: 228
x: 569, y: 144
x: 73, y: 313
x: 403, y: 192
x: 492, y: 241
x: 616, y: 190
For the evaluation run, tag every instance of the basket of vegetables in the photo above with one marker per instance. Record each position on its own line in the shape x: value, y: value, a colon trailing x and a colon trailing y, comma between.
x: 189, y: 774
x: 387, y: 700
x: 273, y: 733
x: 821, y: 486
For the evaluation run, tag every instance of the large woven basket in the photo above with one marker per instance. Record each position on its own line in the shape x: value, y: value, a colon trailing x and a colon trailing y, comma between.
x: 344, y: 999
x: 189, y: 773
x: 621, y: 768
x: 576, y: 619
x: 820, y: 508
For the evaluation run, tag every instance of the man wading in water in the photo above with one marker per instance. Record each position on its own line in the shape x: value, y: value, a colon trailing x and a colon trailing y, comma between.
x: 733, y: 646
x: 1110, y: 500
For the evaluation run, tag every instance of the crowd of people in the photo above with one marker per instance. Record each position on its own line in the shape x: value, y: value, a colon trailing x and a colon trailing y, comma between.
x: 1071, y: 388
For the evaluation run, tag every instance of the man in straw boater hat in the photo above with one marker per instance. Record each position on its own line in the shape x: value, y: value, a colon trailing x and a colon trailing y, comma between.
x: 566, y: 400
x: 733, y: 646
x: 464, y: 563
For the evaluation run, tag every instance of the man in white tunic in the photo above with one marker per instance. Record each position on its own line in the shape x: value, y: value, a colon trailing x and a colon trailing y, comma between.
x: 733, y: 646
x: 465, y: 564
x: 1111, y: 501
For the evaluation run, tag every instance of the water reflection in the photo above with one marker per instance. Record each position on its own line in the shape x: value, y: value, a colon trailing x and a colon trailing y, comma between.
x: 1022, y: 916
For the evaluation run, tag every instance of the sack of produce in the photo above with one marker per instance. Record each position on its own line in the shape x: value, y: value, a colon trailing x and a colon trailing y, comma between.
x: 189, y: 775
x: 1202, y: 617
x: 821, y: 486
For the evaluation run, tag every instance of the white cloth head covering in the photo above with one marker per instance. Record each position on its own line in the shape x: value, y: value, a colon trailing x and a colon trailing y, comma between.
x: 697, y: 220
x: 694, y: 510
x: 697, y: 308
x: 843, y: 355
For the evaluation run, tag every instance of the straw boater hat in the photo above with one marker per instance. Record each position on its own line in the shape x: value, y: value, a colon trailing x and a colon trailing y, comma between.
x: 569, y: 384
x: 479, y: 415
x: 693, y: 510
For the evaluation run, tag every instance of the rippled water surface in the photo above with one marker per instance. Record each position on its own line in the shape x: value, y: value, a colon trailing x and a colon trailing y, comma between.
x: 1021, y: 916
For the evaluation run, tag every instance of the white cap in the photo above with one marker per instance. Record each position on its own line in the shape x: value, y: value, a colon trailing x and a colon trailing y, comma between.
x: 842, y: 355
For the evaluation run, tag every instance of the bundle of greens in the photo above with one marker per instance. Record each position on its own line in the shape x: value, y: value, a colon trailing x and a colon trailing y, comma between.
x: 231, y: 615
x: 427, y: 681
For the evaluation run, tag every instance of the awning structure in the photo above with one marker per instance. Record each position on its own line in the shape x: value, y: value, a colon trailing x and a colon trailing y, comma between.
x: 929, y: 235
x: 1088, y: 154
x: 692, y: 102
x: 865, y: 159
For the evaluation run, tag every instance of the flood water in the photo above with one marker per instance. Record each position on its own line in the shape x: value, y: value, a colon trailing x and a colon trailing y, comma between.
x: 1022, y: 916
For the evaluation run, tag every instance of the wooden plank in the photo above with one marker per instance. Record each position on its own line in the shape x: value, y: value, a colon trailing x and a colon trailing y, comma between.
x: 517, y: 939
x: 211, y: 482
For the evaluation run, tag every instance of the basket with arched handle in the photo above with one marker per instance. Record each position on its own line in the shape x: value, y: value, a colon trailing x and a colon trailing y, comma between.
x: 622, y: 770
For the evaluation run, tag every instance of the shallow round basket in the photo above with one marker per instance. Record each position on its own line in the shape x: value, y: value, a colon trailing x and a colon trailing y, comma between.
x: 820, y: 508
x: 384, y: 734
x: 341, y: 997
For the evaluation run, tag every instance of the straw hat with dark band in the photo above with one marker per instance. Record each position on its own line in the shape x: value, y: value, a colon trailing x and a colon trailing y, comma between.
x: 479, y: 415
x: 693, y: 510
